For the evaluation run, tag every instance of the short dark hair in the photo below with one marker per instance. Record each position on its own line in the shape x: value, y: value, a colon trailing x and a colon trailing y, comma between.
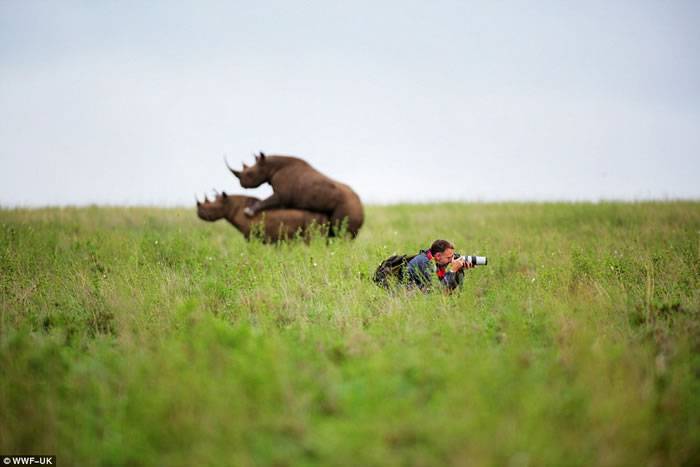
x: 439, y: 246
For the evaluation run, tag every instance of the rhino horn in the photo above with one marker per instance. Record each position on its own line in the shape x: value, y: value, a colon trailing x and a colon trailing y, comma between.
x: 237, y: 173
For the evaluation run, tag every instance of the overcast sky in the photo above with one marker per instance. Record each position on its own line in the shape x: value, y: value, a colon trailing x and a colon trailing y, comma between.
x: 137, y: 102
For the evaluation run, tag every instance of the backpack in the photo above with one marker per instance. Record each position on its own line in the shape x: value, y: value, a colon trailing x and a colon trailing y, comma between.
x: 392, y: 270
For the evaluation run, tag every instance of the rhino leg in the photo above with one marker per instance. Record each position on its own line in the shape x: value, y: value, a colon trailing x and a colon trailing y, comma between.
x: 351, y: 213
x: 271, y: 202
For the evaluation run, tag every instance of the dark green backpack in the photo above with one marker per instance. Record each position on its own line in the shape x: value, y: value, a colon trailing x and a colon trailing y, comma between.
x: 392, y: 270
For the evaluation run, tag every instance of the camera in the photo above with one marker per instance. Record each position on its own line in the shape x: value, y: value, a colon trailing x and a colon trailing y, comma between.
x: 473, y: 260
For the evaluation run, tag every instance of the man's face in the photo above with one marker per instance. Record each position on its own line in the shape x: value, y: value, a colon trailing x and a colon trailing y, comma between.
x: 445, y: 257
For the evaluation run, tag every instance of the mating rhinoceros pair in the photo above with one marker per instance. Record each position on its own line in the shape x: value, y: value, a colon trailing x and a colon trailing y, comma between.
x: 302, y: 197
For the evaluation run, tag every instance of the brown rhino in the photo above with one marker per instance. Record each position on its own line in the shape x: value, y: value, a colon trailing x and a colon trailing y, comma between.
x: 297, y: 185
x: 277, y: 224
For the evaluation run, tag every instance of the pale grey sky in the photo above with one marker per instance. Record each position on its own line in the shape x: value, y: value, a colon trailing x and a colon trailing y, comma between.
x: 125, y: 103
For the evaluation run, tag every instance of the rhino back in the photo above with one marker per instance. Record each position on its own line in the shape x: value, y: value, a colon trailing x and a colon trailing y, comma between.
x: 303, y: 187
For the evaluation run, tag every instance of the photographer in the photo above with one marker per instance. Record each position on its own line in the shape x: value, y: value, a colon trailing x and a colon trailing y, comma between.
x: 437, y: 265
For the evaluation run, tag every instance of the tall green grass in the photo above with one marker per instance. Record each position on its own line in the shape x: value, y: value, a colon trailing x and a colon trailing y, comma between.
x: 148, y: 337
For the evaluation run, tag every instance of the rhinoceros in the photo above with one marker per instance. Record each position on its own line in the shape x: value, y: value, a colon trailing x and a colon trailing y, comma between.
x: 297, y: 185
x: 276, y: 224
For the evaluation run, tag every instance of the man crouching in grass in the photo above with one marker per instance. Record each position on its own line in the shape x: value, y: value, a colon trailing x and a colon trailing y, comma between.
x: 437, y: 266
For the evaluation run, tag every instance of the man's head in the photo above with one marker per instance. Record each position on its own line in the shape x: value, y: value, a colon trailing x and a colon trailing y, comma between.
x: 442, y: 251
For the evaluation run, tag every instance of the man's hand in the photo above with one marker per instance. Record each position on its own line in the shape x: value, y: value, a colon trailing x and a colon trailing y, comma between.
x: 457, y: 264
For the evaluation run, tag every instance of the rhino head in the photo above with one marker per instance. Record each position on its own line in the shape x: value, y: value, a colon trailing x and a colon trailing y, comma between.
x: 215, y: 209
x: 253, y: 177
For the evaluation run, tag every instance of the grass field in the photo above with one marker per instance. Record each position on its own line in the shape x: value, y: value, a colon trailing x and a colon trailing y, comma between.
x: 135, y: 336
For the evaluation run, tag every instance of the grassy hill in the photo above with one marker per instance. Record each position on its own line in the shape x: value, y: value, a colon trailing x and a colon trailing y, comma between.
x: 134, y: 336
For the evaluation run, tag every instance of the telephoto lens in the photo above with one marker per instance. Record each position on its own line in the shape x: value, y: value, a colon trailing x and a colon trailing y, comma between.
x: 478, y: 260
x: 474, y: 260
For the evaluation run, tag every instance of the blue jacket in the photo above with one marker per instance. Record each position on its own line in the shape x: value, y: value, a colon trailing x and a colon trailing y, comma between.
x: 423, y: 273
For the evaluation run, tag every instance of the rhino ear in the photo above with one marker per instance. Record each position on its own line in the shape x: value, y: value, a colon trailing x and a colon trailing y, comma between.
x: 224, y: 195
x: 261, y: 159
